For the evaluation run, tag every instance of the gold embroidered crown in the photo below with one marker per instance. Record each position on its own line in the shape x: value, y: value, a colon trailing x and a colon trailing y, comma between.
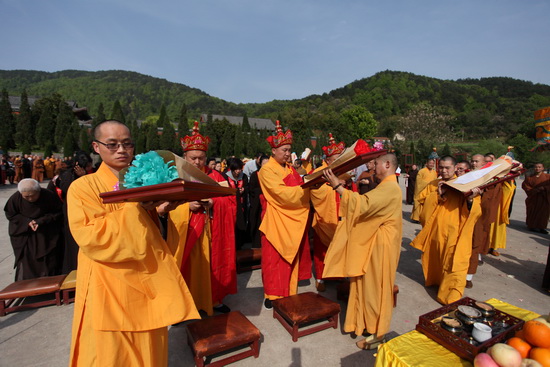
x: 279, y: 138
x: 333, y: 148
x: 196, y: 141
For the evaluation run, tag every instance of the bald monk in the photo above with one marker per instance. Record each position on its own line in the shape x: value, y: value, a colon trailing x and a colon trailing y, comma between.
x: 325, y: 218
x: 423, y: 178
x: 366, y: 248
x: 129, y: 288
x: 284, y: 225
x: 446, y: 238
x: 537, y: 188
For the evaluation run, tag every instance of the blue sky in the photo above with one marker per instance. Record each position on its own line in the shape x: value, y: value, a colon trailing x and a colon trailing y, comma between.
x: 259, y: 50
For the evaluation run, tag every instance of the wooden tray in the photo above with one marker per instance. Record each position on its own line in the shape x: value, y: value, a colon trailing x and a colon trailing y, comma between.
x: 458, y: 343
x: 171, y: 191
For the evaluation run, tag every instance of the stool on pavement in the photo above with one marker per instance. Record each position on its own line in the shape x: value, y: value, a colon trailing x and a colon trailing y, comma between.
x: 68, y: 286
x: 223, y: 333
x: 27, y: 288
x: 248, y: 259
x: 305, y: 309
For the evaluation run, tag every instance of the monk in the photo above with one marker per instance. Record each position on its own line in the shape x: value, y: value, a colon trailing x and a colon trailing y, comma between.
x: 423, y: 178
x: 366, y: 247
x: 446, y: 237
x: 206, y: 255
x: 284, y: 240
x: 325, y: 219
x: 38, y: 169
x: 537, y: 188
x: 35, y: 222
x: 410, y: 182
x: 129, y: 288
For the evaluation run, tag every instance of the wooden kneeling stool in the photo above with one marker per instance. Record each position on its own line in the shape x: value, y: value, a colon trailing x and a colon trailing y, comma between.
x: 248, y: 259
x: 342, y: 292
x: 222, y: 333
x: 68, y: 287
x: 29, y: 288
x: 304, y: 309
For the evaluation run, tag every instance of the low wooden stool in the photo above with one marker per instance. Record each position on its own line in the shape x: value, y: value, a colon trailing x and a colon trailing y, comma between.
x: 68, y: 286
x: 303, y: 309
x: 248, y: 259
x: 29, y: 288
x: 221, y: 333
x: 342, y: 292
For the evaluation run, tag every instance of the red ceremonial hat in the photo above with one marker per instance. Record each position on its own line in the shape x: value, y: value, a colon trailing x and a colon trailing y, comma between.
x: 280, y: 138
x: 196, y: 141
x: 333, y: 148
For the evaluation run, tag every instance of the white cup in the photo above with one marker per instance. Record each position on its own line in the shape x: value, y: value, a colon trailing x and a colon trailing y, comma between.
x: 481, y: 332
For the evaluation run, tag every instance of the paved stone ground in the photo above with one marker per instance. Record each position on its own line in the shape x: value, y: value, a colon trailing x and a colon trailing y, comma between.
x: 41, y: 337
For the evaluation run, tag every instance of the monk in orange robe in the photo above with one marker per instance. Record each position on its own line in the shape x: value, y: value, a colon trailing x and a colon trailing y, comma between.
x: 366, y: 247
x: 285, y: 250
x: 423, y: 178
x: 129, y: 288
x: 446, y: 237
x: 207, y: 236
x: 325, y: 219
x: 537, y: 188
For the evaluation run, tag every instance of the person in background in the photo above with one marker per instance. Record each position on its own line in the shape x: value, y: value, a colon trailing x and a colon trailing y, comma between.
x: 239, y: 181
x: 537, y: 188
x: 411, y: 183
x: 423, y: 178
x: 255, y: 198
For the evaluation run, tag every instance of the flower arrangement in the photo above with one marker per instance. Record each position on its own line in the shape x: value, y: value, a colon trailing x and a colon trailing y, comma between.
x: 149, y: 169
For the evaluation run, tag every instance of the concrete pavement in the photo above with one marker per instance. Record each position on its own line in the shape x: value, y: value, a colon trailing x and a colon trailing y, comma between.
x: 41, y: 337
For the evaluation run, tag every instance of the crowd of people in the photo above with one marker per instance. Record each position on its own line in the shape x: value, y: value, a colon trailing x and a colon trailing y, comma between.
x: 145, y: 266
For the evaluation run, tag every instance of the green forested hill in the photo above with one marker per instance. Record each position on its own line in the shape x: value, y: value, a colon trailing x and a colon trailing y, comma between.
x: 419, y: 108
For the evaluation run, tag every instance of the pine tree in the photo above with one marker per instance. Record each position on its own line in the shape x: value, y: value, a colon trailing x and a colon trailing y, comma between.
x: 100, y: 115
x: 152, y: 140
x: 183, y: 121
x: 84, y: 140
x: 245, y: 127
x: 168, y: 137
x: 64, y: 125
x: 7, y: 122
x: 163, y: 119
x: 24, y: 129
x: 238, y: 146
x: 68, y: 145
x: 140, y: 139
x: 117, y: 113
x: 46, y: 125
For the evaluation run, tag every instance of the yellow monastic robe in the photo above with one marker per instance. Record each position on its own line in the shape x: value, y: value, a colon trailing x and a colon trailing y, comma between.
x: 366, y: 247
x: 129, y: 288
x: 285, y: 218
x: 428, y: 206
x: 446, y: 242
x: 199, y: 277
x: 424, y: 177
x: 325, y: 218
x: 497, y: 234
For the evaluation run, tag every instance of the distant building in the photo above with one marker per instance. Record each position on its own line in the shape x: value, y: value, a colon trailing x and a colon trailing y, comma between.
x: 255, y: 123
x: 81, y: 113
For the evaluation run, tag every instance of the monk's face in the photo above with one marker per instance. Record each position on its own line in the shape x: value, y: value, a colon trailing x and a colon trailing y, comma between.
x: 281, y: 154
x: 477, y: 161
x: 31, y: 196
x: 539, y: 168
x: 430, y: 164
x: 332, y: 158
x: 488, y: 159
x: 446, y: 169
x: 196, y: 157
x: 114, y: 133
x: 461, y: 168
x: 212, y: 164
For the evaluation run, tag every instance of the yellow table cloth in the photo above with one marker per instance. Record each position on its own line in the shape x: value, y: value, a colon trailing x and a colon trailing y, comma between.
x: 416, y: 349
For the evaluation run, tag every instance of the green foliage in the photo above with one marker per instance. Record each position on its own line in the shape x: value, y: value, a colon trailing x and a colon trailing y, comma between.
x: 118, y: 113
x: 245, y: 127
x: 100, y: 117
x: 68, y: 145
x: 446, y: 150
x: 24, y: 127
x: 152, y: 138
x: 66, y: 125
x: 85, y: 140
x: 494, y: 146
x: 7, y: 122
x: 359, y: 121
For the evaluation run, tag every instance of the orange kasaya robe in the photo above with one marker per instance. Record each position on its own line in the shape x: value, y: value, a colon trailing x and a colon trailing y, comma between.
x: 129, y: 288
x: 497, y: 235
x: 423, y: 178
x: 326, y: 203
x: 285, y: 246
x: 366, y: 247
x: 446, y: 241
x: 538, y: 200
x: 206, y: 254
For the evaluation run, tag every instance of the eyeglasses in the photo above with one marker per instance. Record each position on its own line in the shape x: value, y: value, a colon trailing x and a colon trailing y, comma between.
x: 114, y: 146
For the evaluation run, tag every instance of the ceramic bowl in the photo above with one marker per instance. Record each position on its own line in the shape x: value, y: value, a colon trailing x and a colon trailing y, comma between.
x: 482, y: 332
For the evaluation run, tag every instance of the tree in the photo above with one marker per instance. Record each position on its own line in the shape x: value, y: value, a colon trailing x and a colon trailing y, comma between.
x: 24, y: 129
x: 359, y: 121
x: 245, y: 127
x: 425, y: 122
x: 7, y: 122
x: 84, y: 141
x: 238, y: 145
x: 117, y: 113
x: 68, y: 145
x: 168, y: 137
x: 446, y: 150
x: 65, y: 125
x: 46, y: 125
x: 100, y: 115
x: 152, y: 138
